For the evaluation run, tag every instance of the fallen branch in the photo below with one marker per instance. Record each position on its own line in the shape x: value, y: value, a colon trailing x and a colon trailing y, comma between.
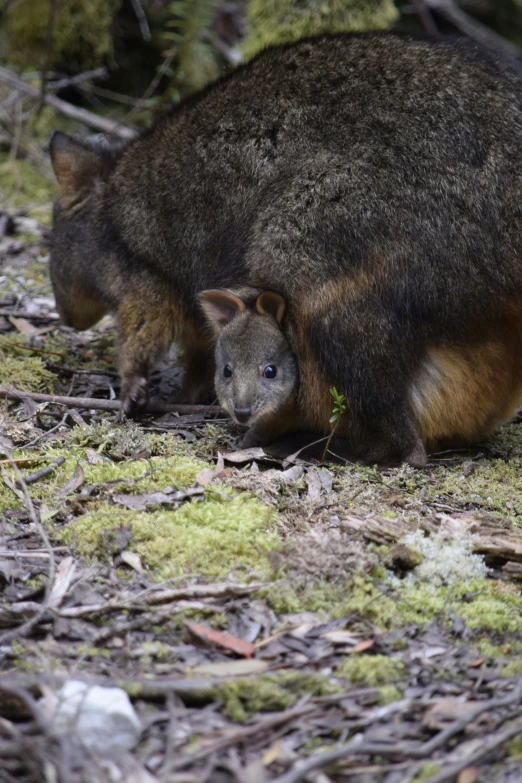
x: 42, y: 473
x: 473, y: 29
x: 67, y: 109
x: 406, y: 750
x: 91, y: 403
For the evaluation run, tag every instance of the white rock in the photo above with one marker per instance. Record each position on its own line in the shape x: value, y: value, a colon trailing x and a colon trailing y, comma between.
x: 103, y: 718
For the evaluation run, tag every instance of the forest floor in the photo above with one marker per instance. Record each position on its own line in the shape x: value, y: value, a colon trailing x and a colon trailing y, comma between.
x: 271, y: 618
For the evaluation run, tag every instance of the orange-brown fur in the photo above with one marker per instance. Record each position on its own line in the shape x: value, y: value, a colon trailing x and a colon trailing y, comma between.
x: 461, y: 391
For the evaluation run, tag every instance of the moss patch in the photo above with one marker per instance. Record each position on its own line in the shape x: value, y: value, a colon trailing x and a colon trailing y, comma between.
x: 213, y: 537
x: 371, y: 670
x: 269, y: 693
x: 273, y: 22
x: 81, y: 32
x: 25, y: 186
x: 25, y: 373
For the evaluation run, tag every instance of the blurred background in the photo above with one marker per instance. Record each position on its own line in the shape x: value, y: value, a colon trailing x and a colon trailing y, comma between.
x: 113, y: 66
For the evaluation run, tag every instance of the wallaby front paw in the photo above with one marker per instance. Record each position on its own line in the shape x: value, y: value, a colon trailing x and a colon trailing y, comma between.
x: 134, y: 398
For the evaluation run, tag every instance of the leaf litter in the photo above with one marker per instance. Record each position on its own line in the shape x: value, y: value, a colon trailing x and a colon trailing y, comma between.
x: 270, y: 617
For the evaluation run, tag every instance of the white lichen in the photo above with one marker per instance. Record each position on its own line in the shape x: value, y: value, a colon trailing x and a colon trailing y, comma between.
x: 446, y: 561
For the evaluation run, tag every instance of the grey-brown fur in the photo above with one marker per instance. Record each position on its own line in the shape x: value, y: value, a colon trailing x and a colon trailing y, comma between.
x: 373, y: 180
x: 257, y: 378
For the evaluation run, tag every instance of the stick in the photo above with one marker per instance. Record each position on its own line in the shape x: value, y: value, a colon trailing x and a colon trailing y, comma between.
x: 470, y: 27
x: 92, y: 403
x: 42, y: 473
x: 489, y: 744
x: 358, y: 747
x: 67, y: 109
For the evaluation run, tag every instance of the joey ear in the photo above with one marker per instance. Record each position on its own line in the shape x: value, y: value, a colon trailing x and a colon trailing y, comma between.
x: 270, y: 303
x: 74, y: 166
x: 220, y: 307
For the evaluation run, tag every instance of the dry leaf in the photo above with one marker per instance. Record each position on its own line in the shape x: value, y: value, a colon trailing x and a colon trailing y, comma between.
x: 340, y: 637
x: 205, y: 476
x: 76, y: 480
x: 476, y: 663
x: 238, y: 668
x: 222, y: 639
x: 23, y: 326
x: 362, y: 646
x: 62, y: 582
x: 132, y: 560
x: 314, y: 485
x: 468, y: 775
x: 247, y: 455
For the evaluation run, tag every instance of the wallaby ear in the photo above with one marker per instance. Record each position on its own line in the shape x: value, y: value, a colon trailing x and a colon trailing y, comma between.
x: 270, y: 303
x: 74, y: 166
x: 220, y: 307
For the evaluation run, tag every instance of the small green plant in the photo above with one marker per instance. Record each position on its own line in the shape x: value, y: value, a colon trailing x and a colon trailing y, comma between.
x: 339, y: 408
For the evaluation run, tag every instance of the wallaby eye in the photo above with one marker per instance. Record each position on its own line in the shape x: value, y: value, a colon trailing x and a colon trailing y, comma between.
x: 270, y: 371
x: 227, y: 372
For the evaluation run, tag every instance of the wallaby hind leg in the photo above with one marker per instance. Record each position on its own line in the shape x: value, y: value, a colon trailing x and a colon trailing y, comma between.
x: 362, y: 353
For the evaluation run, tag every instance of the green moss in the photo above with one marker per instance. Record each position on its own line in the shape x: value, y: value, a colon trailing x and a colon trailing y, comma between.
x: 489, y: 604
x: 81, y: 33
x: 273, y: 22
x: 371, y: 670
x: 288, y: 598
x: 389, y: 694
x: 22, y: 185
x: 426, y: 771
x: 212, y: 537
x: 269, y: 693
x: 514, y: 748
x: 512, y: 669
x: 26, y: 373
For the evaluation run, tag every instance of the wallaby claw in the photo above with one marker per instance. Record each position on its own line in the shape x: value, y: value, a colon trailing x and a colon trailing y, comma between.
x: 134, y: 399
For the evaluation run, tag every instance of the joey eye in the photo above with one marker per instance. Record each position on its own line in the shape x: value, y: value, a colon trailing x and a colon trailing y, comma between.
x: 270, y: 371
x: 227, y: 371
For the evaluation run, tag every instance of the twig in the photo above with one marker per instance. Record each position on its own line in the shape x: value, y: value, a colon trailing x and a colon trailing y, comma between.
x: 150, y: 89
x: 91, y: 403
x: 28, y: 347
x: 24, y: 629
x: 42, y: 473
x: 470, y: 27
x: 71, y: 81
x: 487, y: 746
x: 142, y: 19
x: 47, y: 432
x: 239, y: 735
x: 102, y: 124
x: 425, y: 16
x: 48, y: 46
x: 358, y: 747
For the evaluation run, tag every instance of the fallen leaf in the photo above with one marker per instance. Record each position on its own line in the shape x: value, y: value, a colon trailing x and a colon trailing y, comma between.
x: 238, y: 668
x: 468, y: 775
x: 62, y: 582
x: 293, y: 474
x: 132, y: 560
x: 222, y: 639
x: 205, y: 476
x: 362, y: 646
x: 476, y: 663
x: 76, y: 480
x: 247, y: 455
x: 448, y: 709
x: 314, y: 484
x: 340, y: 637
x: 23, y: 326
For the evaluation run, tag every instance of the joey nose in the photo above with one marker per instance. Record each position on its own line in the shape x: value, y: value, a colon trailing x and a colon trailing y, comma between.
x: 242, y: 414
